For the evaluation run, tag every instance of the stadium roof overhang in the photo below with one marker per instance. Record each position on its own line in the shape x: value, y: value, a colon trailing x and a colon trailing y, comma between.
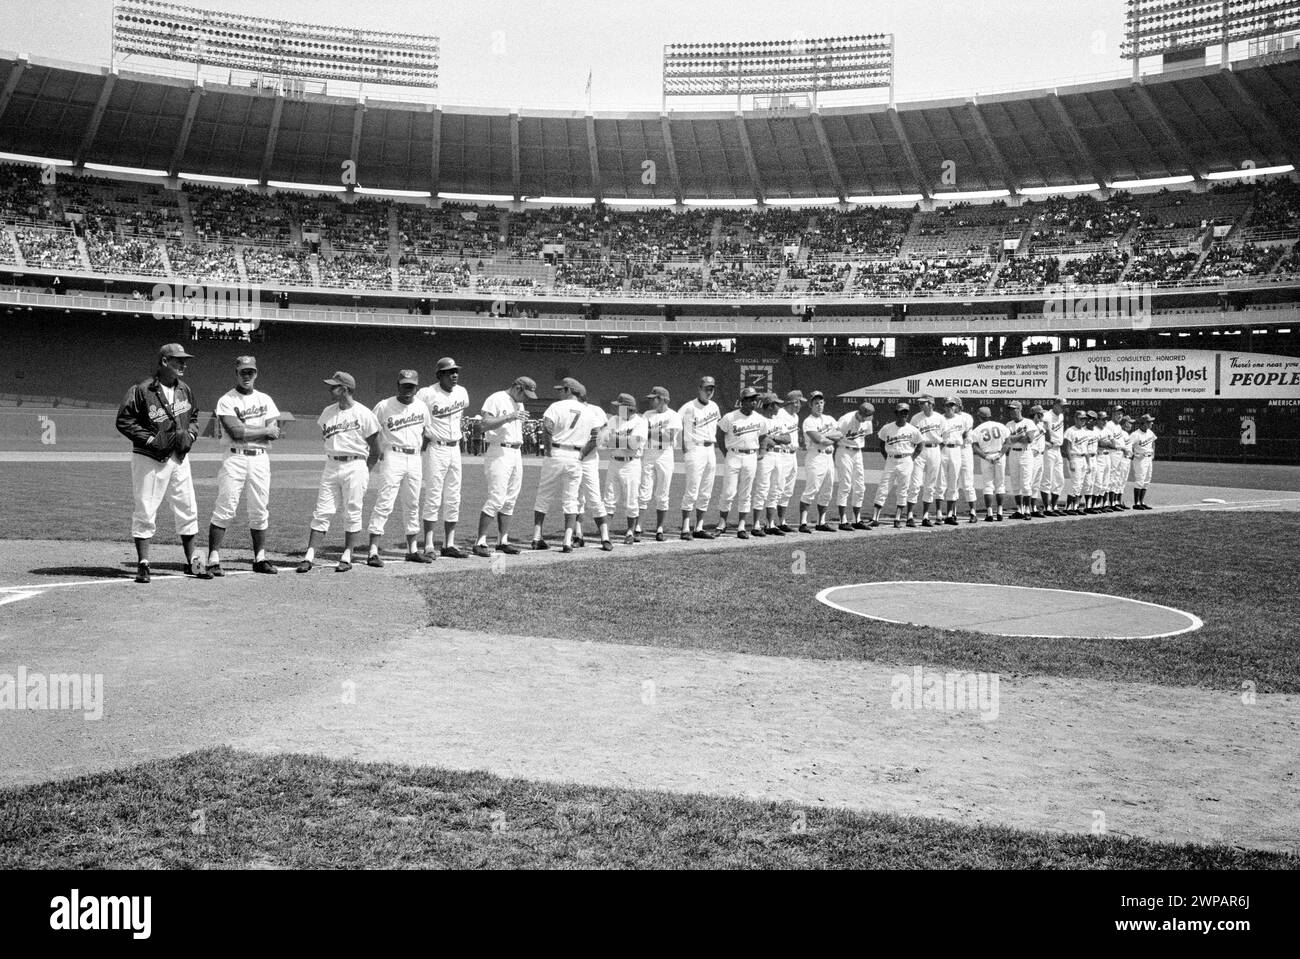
x: 1193, y: 122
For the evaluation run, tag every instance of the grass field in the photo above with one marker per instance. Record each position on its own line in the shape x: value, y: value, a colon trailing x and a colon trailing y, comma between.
x: 226, y: 809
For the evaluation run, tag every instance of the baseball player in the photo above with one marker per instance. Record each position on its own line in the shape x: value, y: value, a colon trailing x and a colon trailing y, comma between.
x: 1037, y: 449
x: 1078, y: 462
x: 1053, y: 463
x: 740, y: 433
x: 574, y: 427
x: 664, y: 432
x: 700, y: 418
x: 1020, y: 461
x: 966, y: 476
x: 404, y: 425
x: 952, y: 440
x: 1124, y: 444
x: 766, y: 481
x: 447, y: 402
x: 1114, y: 457
x: 785, y: 443
x: 925, y: 474
x: 159, y: 417
x: 989, y: 441
x: 821, y: 435
x: 624, y: 435
x: 1144, y: 452
x: 850, y: 473
x: 900, y: 444
x: 1096, y: 467
x: 503, y: 418
x: 249, y: 419
x: 351, y: 435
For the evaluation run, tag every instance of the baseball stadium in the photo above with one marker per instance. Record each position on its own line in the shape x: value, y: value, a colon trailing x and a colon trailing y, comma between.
x: 756, y: 481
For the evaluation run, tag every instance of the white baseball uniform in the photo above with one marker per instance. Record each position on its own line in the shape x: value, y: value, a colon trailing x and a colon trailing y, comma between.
x: 850, y: 474
x: 570, y: 422
x: 818, y: 461
x: 247, y: 463
x: 1094, y: 485
x: 625, y: 439
x: 1144, y: 454
x: 925, y: 469
x: 442, y: 471
x: 743, y: 435
x: 966, y: 476
x: 1120, y: 473
x: 766, y: 489
x: 503, y: 462
x: 401, y: 430
x: 991, y: 439
x: 663, y: 434
x: 898, y: 443
x: 786, y: 424
x: 1114, y: 456
x: 699, y: 433
x: 345, y: 478
x: 1037, y: 447
x: 1020, y: 461
x: 1053, y: 465
x: 1078, y: 440
x: 952, y: 439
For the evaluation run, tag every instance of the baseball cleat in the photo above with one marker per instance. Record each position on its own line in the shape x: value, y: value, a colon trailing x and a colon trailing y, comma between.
x: 659, y: 536
x: 824, y: 528
x: 1001, y: 517
x: 844, y: 528
x: 510, y: 549
x: 343, y: 567
x: 742, y: 534
x: 926, y: 523
x: 215, y: 571
x: 375, y: 562
x: 759, y: 531
x: 1024, y: 516
x: 628, y: 540
x: 861, y: 525
x: 786, y: 528
x: 804, y: 528
x: 699, y: 534
x: 418, y: 558
x: 973, y: 519
x: 898, y: 524
x: 687, y: 535
x: 483, y: 551
x: 607, y: 546
x: 579, y: 542
x: 304, y: 566
x: 540, y: 544
x: 197, y: 569
x: 911, y: 523
x: 142, y: 573
x: 988, y: 517
x: 452, y: 552
x: 775, y: 531
x: 566, y: 548
x: 950, y: 521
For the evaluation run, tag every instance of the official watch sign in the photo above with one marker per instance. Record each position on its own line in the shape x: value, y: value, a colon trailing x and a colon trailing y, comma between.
x: 1107, y: 374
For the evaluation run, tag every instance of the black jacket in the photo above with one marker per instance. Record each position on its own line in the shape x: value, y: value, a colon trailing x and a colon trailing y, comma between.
x: 155, y: 429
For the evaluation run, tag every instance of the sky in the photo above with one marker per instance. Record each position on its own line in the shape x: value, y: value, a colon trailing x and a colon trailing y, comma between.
x: 538, y: 53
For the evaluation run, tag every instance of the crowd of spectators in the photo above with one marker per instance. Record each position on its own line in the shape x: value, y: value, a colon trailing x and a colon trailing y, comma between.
x: 454, y: 229
x: 49, y: 249
x: 418, y: 273
x: 127, y: 209
x: 823, y: 277
x: 203, y: 263
x: 1028, y: 272
x: 112, y: 254
x: 942, y: 274
x: 238, y: 215
x: 1161, y: 266
x: 600, y: 277
x: 679, y: 279
x: 1276, y: 208
x: 574, y: 227
x: 277, y: 265
x: 747, y: 281
x: 654, y: 236
x: 862, y: 232
x: 355, y: 271
x: 22, y: 198
x: 1230, y: 263
x: 1065, y: 223
x: 886, y: 277
x: 1098, y: 269
x: 359, y: 227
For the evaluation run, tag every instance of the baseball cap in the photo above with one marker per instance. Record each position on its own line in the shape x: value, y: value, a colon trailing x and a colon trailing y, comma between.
x: 342, y: 379
x: 1014, y: 405
x: 447, y: 365
x: 708, y: 381
x: 1035, y: 409
x: 1144, y: 418
x: 794, y: 396
x: 1117, y: 407
x: 623, y: 399
x: 1059, y: 399
x: 1126, y: 419
x: 174, y: 351
x: 1080, y: 413
x: 408, y: 376
x: 816, y: 395
x: 985, y: 412
x: 1091, y: 414
x: 925, y: 399
x: 749, y: 393
x: 866, y: 407
x: 771, y: 399
x: 950, y: 401
x: 659, y: 392
x: 529, y: 387
x: 572, y: 385
x: 902, y: 408
x: 245, y: 363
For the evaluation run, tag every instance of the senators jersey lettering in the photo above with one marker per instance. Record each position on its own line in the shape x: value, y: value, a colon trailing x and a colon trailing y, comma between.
x: 663, y: 430
x: 900, y: 440
x: 1077, y: 437
x: 255, y: 410
x: 445, y: 410
x: 624, y: 433
x: 928, y: 426
x: 401, y: 424
x: 1038, y: 437
x: 817, y: 424
x: 855, y: 430
x: 785, y: 425
x: 1021, y: 431
x: 1055, y: 423
x: 952, y: 429
x: 345, y: 431
x: 501, y: 403
x: 743, y: 432
x: 699, y: 422
x: 1144, y: 443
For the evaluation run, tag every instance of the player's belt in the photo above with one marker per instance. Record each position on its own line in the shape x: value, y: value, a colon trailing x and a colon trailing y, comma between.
x: 566, y: 446
x: 343, y: 459
x: 930, y: 446
x: 625, y: 457
x: 951, y: 446
x: 900, y: 456
x: 660, y: 449
x: 510, y: 446
x: 446, y: 442
x: 402, y: 449
x: 742, y: 452
x: 706, y: 443
x: 1017, y: 449
x: 782, y: 449
x: 248, y: 450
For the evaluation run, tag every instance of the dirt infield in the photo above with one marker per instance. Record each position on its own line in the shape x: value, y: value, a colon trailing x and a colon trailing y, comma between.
x: 296, y: 663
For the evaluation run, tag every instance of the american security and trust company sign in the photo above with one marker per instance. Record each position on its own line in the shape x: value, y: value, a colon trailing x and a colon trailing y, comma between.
x: 1106, y: 374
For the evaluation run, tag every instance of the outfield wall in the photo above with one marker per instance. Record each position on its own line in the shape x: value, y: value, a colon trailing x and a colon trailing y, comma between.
x: 88, y: 358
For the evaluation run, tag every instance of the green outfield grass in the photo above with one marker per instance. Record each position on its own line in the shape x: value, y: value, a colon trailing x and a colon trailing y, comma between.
x: 1221, y: 567
x: 226, y: 809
